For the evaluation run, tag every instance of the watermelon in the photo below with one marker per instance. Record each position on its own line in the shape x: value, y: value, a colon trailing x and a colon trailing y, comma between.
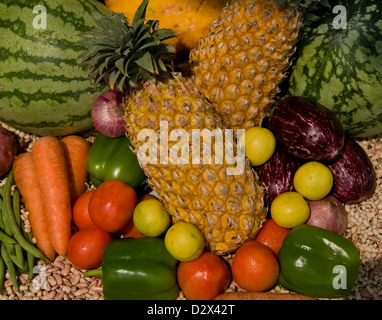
x: 341, y: 68
x: 42, y: 89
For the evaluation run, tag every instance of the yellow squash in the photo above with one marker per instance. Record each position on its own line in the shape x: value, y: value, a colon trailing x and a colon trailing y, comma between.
x: 189, y: 18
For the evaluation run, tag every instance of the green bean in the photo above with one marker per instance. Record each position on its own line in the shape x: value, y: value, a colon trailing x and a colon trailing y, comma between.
x: 2, y: 273
x: 6, y: 238
x: 16, y: 206
x: 30, y: 258
x: 11, y: 248
x: 14, y: 253
x: 20, y: 256
x: 1, y: 215
x: 14, y: 249
x: 10, y: 266
x: 13, y: 224
x: 16, y: 212
x: 4, y: 225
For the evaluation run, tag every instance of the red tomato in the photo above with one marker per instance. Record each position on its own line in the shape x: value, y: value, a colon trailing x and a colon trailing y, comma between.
x: 112, y: 205
x: 130, y: 231
x: 272, y: 235
x: 86, y: 247
x: 203, y: 278
x: 146, y: 196
x: 81, y: 217
x: 255, y: 267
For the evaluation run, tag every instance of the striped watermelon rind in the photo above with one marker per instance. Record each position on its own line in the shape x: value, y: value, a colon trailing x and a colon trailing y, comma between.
x: 42, y: 89
x: 342, y: 68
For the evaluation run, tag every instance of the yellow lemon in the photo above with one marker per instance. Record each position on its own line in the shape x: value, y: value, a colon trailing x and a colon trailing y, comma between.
x: 260, y: 144
x: 151, y: 218
x: 290, y: 209
x: 313, y: 180
x: 184, y: 241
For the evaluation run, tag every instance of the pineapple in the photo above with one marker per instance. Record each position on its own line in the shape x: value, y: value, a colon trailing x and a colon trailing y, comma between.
x: 227, y: 208
x: 240, y: 64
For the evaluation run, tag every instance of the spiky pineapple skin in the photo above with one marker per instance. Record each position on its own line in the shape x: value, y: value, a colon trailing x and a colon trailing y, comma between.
x: 240, y: 64
x: 228, y: 209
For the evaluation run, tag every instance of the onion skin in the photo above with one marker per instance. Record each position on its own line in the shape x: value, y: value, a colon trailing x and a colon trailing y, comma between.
x: 353, y: 173
x: 8, y: 150
x: 328, y: 213
x: 307, y: 129
x: 277, y: 174
x: 107, y: 114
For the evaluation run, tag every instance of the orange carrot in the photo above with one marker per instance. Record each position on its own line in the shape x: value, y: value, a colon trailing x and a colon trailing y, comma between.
x: 26, y: 182
x: 53, y: 178
x: 261, y: 296
x: 76, y: 151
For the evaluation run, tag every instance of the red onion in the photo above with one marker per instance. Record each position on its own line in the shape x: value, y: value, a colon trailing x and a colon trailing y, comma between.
x: 107, y: 114
x: 8, y: 150
x: 328, y: 213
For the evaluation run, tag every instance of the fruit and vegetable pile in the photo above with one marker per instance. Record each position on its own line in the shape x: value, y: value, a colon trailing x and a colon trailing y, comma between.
x: 79, y: 197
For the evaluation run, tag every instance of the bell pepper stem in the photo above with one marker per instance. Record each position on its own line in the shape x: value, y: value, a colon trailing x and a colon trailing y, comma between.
x: 93, y: 273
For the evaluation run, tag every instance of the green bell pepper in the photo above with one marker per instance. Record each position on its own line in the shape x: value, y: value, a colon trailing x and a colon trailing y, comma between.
x: 138, y: 269
x: 112, y: 158
x: 318, y: 263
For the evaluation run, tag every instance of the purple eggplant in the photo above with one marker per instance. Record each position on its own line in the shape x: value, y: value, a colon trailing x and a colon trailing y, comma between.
x: 277, y: 173
x: 307, y: 129
x: 353, y: 173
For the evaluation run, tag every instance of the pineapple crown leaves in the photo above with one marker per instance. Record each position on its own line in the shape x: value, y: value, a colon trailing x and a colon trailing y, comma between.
x: 124, y: 54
